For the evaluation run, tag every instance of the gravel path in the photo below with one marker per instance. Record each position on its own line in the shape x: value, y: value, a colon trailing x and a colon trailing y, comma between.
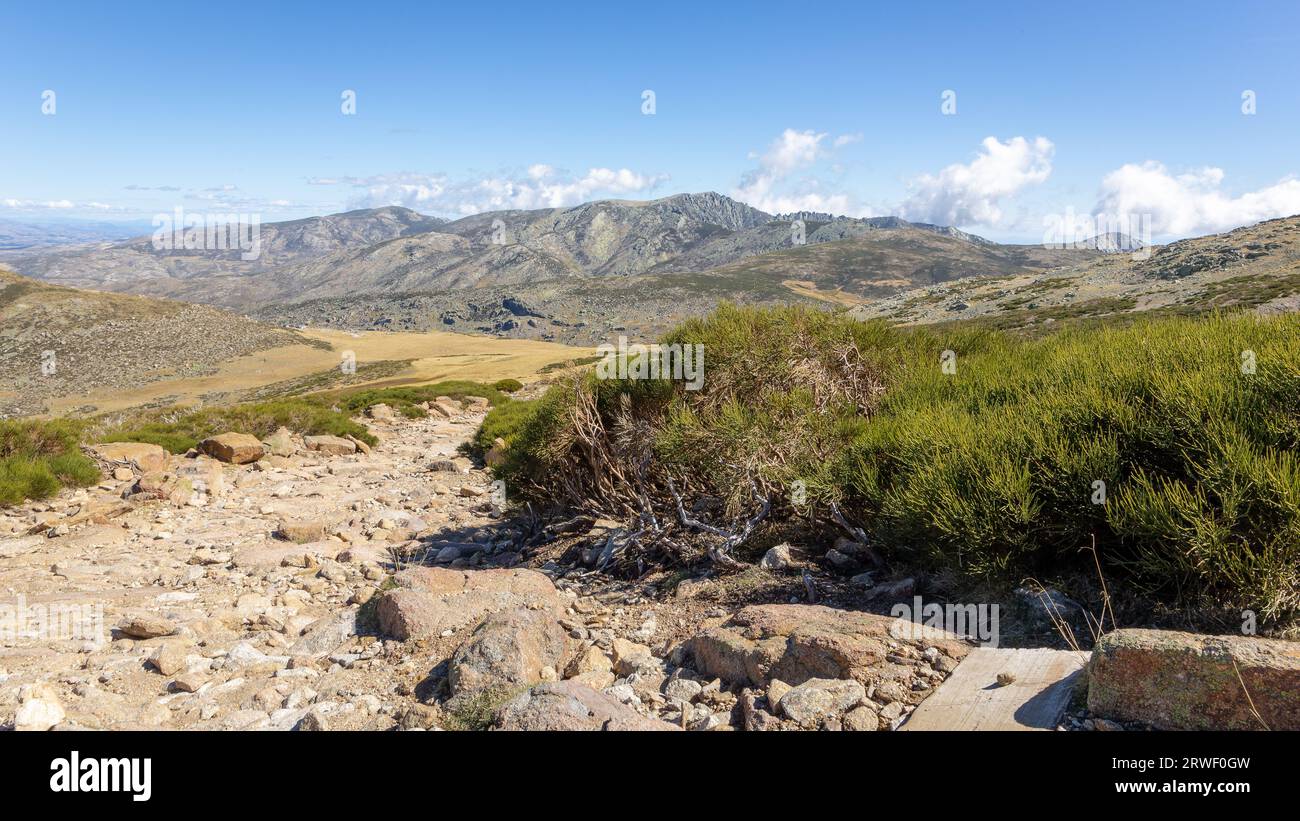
x: 234, y: 628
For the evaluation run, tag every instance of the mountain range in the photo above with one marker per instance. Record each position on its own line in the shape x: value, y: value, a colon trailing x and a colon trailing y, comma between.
x: 389, y: 251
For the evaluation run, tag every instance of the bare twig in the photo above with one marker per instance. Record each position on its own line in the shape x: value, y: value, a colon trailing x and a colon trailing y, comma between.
x: 1254, y: 712
x: 858, y: 534
x: 720, y: 554
x: 1105, y: 593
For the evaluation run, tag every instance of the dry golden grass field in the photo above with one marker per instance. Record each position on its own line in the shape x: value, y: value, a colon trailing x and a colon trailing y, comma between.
x: 434, y: 356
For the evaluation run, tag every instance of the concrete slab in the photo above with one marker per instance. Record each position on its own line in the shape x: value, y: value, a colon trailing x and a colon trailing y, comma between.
x: 972, y: 699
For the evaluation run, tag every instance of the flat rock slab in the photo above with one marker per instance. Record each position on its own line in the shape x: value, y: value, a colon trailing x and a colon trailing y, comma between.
x: 972, y: 699
x: 1187, y: 681
x: 798, y: 642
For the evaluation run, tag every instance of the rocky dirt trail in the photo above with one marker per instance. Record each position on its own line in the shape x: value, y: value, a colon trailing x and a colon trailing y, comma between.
x: 193, y: 593
x: 311, y: 583
x: 209, y: 618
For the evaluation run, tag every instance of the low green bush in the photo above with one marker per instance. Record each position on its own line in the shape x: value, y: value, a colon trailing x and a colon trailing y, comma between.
x: 38, y: 458
x: 990, y: 469
x: 178, y: 430
x: 406, y: 399
x: 503, y: 421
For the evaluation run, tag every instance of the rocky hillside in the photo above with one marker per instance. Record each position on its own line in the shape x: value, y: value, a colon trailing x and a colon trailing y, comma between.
x: 846, y: 262
x: 1256, y: 267
x: 109, y: 341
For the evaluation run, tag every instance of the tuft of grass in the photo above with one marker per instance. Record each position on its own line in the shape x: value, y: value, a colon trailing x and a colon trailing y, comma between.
x: 478, y: 710
x: 508, y: 385
x: 991, y: 471
x: 38, y: 458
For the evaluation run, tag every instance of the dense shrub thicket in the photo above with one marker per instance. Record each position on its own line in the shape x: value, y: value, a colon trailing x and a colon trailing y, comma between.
x: 1172, y: 441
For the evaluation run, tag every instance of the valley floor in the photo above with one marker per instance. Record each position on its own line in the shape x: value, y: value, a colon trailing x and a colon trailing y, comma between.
x: 404, y: 358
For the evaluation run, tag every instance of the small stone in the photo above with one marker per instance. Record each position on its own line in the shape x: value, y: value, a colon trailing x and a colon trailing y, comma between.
x: 147, y: 627
x: 777, y: 558
x: 169, y: 658
x: 776, y: 688
x: 841, y: 561
x: 38, y: 714
x: 235, y: 448
x: 313, y: 721
x: 683, y: 689
x: 189, y: 682
x: 810, y: 703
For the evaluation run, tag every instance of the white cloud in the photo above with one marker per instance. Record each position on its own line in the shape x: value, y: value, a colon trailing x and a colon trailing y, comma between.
x: 1191, y: 203
x: 768, y: 188
x: 38, y: 205
x: 542, y: 187
x: 972, y: 194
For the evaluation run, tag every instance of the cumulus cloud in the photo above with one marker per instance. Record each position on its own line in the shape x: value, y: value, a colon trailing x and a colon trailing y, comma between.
x: 1191, y: 203
x: 542, y: 186
x: 769, y: 187
x: 972, y: 194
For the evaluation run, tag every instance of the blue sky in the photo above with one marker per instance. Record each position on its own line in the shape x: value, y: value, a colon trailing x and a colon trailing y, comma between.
x: 1104, y: 108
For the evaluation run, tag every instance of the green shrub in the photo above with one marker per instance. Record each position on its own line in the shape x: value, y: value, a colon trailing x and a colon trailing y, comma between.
x: 406, y: 399
x: 178, y: 430
x: 503, y: 421
x: 990, y: 470
x: 508, y: 385
x: 37, y: 458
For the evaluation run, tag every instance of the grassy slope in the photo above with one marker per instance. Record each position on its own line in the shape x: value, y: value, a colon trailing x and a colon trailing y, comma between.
x: 990, y: 471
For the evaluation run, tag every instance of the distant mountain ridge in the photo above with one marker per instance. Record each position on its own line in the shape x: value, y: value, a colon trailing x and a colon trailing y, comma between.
x: 395, y: 250
x: 17, y: 235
